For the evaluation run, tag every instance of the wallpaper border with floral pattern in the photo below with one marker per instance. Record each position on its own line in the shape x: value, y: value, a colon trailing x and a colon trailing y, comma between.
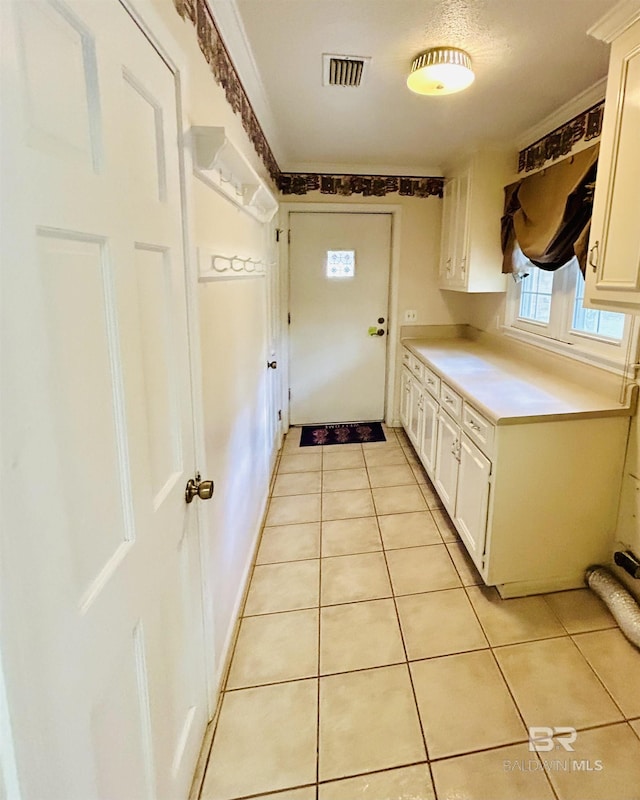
x: 558, y: 143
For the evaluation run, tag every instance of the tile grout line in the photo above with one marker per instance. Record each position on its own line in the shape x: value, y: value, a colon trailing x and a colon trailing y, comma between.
x: 466, y: 588
x: 237, y: 626
x: 322, y: 471
x: 406, y: 655
x: 507, y: 686
x: 571, y: 637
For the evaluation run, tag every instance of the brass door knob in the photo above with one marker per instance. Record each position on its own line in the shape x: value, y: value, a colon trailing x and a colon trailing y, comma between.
x: 272, y: 364
x: 198, y: 488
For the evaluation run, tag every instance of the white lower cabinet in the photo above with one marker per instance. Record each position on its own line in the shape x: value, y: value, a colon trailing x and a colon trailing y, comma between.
x: 405, y: 398
x: 472, y: 498
x: 429, y: 436
x: 534, y: 501
x: 462, y: 479
x: 446, y: 473
x: 416, y: 396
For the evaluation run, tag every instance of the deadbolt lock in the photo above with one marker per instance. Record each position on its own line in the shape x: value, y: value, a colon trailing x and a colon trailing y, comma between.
x: 198, y: 488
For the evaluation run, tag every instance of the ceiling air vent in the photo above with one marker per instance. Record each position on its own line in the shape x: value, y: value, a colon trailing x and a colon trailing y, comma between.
x: 343, y: 70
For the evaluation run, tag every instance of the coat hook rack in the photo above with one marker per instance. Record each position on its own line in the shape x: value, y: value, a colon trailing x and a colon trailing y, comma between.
x: 216, y: 265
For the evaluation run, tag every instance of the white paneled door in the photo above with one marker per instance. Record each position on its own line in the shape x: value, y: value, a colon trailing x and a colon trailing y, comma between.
x: 102, y: 642
x: 339, y: 297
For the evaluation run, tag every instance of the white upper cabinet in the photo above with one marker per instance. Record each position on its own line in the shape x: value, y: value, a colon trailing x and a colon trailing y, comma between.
x: 613, y: 272
x: 470, y: 254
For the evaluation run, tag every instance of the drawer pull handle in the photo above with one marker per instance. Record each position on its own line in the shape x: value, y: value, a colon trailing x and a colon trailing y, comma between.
x: 448, y: 400
x: 474, y: 427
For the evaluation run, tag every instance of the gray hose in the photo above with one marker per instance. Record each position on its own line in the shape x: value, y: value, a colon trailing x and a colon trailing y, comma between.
x: 621, y: 603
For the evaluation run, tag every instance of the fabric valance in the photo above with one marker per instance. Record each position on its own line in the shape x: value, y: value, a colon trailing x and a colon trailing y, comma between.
x: 547, y: 215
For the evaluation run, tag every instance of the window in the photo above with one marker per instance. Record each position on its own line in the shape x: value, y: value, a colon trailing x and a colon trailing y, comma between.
x: 341, y: 263
x: 548, y: 305
x: 606, y: 324
x: 535, y: 296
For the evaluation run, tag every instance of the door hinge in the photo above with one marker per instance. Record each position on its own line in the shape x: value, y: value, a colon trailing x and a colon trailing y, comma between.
x: 289, y: 236
x: 279, y: 415
x: 289, y: 394
x: 278, y: 232
x: 289, y: 318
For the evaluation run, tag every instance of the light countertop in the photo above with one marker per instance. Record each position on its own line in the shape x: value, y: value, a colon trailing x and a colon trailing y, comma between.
x: 509, y: 391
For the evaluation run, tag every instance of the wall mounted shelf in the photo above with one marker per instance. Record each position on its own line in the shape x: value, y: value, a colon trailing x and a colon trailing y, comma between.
x: 222, y: 167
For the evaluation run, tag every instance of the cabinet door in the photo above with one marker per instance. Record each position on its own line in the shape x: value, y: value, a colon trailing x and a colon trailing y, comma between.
x: 472, y: 499
x: 461, y: 230
x: 405, y: 398
x: 429, y: 437
x: 613, y: 274
x: 415, y: 412
x: 447, y: 239
x: 446, y: 474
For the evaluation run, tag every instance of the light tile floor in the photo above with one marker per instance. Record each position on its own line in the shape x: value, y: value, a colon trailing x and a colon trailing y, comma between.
x: 371, y: 662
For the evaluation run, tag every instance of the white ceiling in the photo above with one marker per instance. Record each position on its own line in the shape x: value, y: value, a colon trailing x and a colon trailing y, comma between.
x: 529, y: 56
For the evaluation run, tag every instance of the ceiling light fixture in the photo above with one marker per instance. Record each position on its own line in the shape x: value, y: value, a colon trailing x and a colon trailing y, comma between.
x: 440, y: 70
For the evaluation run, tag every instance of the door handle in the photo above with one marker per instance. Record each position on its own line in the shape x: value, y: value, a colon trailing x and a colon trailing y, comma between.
x: 198, y: 488
x: 272, y: 364
x: 593, y: 255
x: 373, y: 331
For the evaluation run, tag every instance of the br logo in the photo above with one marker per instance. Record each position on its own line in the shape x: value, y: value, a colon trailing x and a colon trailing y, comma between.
x: 543, y: 739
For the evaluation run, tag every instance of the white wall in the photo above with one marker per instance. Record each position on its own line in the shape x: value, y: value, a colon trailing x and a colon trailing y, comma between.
x: 233, y: 330
x: 231, y: 342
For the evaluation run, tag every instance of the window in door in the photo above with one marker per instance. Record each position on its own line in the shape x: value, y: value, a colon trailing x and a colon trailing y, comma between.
x: 341, y: 263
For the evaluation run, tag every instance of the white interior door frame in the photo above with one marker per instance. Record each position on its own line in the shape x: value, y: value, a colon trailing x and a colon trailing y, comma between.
x: 393, y: 327
x: 156, y: 31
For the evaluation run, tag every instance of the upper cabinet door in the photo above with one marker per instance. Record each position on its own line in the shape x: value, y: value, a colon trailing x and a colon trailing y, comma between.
x: 613, y: 274
x: 470, y: 257
x: 447, y: 238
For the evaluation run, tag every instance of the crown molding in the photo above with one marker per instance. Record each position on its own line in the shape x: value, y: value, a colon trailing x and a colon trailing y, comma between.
x: 587, y: 99
x: 231, y: 28
x: 616, y: 21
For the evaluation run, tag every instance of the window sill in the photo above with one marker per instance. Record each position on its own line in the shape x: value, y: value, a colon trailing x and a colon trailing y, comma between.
x: 570, y: 350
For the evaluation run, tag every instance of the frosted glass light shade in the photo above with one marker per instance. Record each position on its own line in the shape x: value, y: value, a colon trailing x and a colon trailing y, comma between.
x: 440, y: 70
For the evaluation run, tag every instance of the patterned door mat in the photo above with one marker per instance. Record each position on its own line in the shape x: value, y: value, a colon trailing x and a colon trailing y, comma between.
x: 342, y: 433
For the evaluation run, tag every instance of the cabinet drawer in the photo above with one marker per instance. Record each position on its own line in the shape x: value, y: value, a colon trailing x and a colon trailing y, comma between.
x: 477, y: 428
x: 417, y: 367
x: 450, y: 400
x: 431, y: 382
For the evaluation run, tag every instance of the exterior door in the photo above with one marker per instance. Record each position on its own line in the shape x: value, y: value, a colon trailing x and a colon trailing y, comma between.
x: 339, y: 287
x: 101, y: 587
